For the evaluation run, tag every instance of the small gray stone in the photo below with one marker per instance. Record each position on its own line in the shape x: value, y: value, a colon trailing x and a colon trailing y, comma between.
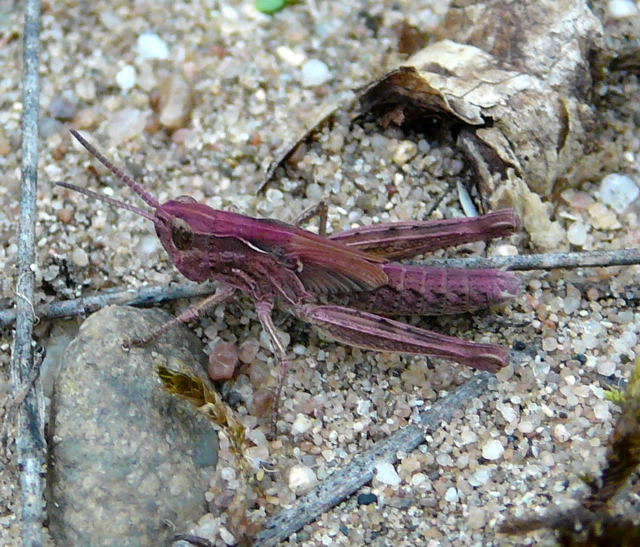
x: 127, y: 457
x: 62, y: 108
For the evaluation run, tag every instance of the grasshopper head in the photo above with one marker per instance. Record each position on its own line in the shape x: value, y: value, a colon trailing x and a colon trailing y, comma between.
x: 184, y: 233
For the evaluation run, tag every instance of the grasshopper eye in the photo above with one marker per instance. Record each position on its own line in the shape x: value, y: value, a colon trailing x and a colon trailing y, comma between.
x: 186, y: 199
x: 181, y: 234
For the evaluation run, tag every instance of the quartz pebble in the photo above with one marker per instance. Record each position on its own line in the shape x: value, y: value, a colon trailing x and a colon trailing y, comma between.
x: 227, y: 536
x: 508, y: 413
x: 618, y: 191
x: 149, y: 244
x: 126, y: 124
x: 404, y: 152
x: 314, y: 72
x: 601, y: 411
x: 451, y: 495
x: 619, y: 9
x: 606, y: 368
x: 126, y: 78
x: 294, y: 58
x: 476, y: 517
x: 80, y: 257
x: 549, y: 344
x: 151, y: 46
x: 176, y: 102
x: 301, y: 424
x: 492, y: 450
x: 248, y: 350
x: 386, y: 474
x: 301, y: 479
x: 603, y: 217
x: 480, y: 476
x: 560, y: 433
x: 222, y: 361
x: 577, y: 234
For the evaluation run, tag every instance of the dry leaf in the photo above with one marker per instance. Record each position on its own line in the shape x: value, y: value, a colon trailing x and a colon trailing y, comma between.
x: 518, y: 80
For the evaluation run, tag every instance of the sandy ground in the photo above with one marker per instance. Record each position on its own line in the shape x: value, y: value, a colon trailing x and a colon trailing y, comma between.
x: 243, y: 72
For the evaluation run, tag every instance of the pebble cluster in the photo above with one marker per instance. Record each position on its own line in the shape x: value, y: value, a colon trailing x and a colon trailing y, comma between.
x: 196, y: 102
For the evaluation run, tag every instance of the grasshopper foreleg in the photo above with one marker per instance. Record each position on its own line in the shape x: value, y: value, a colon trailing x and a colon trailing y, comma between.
x: 191, y: 313
x: 319, y: 210
x: 264, y: 308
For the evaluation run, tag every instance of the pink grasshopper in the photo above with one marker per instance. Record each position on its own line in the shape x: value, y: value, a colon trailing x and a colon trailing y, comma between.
x: 330, y: 282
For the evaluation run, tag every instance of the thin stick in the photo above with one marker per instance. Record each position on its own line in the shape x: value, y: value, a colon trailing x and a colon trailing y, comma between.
x: 30, y: 442
x: 145, y: 296
x: 546, y: 261
x: 361, y: 469
x: 142, y: 296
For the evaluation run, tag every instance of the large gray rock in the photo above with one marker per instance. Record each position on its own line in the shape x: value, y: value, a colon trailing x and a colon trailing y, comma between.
x: 127, y: 458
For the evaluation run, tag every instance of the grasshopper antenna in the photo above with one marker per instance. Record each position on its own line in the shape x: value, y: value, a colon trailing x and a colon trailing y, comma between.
x: 110, y: 201
x: 146, y: 196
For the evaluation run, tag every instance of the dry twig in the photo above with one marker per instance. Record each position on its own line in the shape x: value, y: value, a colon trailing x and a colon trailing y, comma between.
x: 145, y: 296
x: 30, y: 443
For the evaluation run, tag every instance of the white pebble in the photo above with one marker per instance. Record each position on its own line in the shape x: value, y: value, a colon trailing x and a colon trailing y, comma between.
x: 508, y: 413
x: 207, y: 526
x: 404, y: 152
x: 618, y: 191
x: 541, y: 368
x: 314, y: 192
x: 622, y: 8
x: 149, y: 244
x: 601, y: 411
x: 386, y: 474
x: 314, y: 72
x: 468, y: 436
x: 451, y: 495
x: 151, y: 46
x: 363, y: 407
x: 275, y: 197
x: 125, y: 124
x: 506, y: 250
x: 606, y: 368
x: 526, y: 426
x: 126, y: 77
x: 570, y: 305
x: 444, y: 460
x: 80, y: 257
x: 577, y: 234
x: 301, y: 479
x: 492, y: 450
x: 301, y: 424
x: 480, y: 476
x: 86, y: 90
x: 227, y: 536
x: 547, y: 459
x: 560, y: 433
x: 294, y: 58
x: 476, y: 518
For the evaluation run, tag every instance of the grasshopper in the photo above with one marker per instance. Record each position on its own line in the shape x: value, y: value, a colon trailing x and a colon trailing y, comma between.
x: 339, y: 283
